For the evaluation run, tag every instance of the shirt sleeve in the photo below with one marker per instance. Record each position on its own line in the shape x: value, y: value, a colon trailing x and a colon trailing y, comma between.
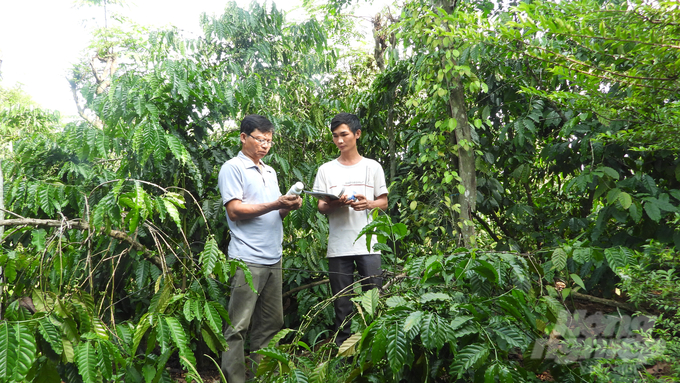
x: 320, y: 182
x: 379, y: 181
x: 230, y: 183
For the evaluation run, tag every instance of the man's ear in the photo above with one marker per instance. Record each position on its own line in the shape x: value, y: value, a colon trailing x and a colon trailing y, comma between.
x: 358, y: 133
x: 243, y: 138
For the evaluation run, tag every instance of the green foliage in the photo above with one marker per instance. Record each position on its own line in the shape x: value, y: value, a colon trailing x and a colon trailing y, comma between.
x: 181, y: 342
x: 638, y: 69
x: 568, y: 108
x: 553, y: 161
x: 86, y: 359
x: 17, y: 119
x: 7, y: 355
x: 113, y: 264
x: 132, y: 218
x: 442, y: 323
x: 651, y: 280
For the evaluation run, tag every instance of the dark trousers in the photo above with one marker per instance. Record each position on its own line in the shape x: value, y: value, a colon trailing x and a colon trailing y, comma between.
x: 342, y: 277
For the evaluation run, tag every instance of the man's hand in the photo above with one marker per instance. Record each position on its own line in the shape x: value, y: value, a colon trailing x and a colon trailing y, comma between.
x: 237, y: 210
x: 335, y: 203
x: 362, y: 203
x: 290, y: 202
x: 328, y: 205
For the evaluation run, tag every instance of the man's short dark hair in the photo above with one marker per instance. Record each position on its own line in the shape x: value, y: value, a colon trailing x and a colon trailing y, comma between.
x: 349, y: 119
x: 255, y: 121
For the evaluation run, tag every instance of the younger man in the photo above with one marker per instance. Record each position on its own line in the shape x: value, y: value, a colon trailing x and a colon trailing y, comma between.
x: 363, y: 180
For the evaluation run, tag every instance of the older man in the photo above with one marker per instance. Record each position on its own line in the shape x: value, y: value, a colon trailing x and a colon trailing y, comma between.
x: 255, y: 210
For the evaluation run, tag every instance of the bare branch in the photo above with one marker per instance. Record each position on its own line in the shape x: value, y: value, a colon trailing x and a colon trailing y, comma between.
x: 305, y: 287
x: 96, y: 122
x: 80, y: 225
x: 607, y: 302
x: 396, y: 278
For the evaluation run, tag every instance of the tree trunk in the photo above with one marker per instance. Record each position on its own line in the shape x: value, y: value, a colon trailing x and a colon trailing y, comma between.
x: 466, y: 155
x: 379, y: 55
x: 380, y: 43
x: 392, y: 143
x: 466, y: 163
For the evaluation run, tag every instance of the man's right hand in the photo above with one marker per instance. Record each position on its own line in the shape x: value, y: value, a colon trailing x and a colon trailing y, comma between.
x: 328, y: 205
x: 342, y: 201
x: 290, y: 202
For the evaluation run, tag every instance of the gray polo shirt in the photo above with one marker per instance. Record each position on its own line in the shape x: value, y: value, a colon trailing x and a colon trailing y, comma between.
x: 256, y: 240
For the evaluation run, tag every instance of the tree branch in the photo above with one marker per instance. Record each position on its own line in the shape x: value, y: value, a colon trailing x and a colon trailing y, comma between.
x: 396, y: 278
x: 81, y: 110
x: 305, y: 287
x: 607, y: 302
x: 609, y: 38
x: 486, y: 227
x: 107, y: 73
x: 636, y: 13
x: 95, y: 73
x: 614, y: 76
x: 80, y: 225
x: 500, y: 225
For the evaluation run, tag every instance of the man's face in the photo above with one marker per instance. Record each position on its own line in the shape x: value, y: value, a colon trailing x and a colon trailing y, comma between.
x: 253, y: 148
x: 344, y: 139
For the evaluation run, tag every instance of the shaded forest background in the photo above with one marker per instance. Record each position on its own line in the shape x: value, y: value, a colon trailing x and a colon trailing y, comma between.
x: 531, y: 152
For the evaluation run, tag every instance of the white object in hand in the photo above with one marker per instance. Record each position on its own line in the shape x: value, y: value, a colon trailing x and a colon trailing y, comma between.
x: 296, y: 189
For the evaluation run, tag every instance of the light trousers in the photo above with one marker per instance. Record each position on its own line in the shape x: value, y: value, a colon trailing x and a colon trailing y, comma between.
x: 262, y: 312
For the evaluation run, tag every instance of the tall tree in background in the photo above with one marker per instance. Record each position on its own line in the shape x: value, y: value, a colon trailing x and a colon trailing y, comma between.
x: 433, y: 92
x: 103, y: 199
x: 458, y: 112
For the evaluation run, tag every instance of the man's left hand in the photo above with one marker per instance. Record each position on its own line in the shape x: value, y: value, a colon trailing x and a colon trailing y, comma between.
x: 360, y: 203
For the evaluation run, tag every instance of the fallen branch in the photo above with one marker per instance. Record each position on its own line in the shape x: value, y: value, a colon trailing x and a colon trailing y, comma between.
x: 396, y: 278
x: 304, y: 287
x: 80, y: 225
x: 607, y: 302
x: 324, y: 281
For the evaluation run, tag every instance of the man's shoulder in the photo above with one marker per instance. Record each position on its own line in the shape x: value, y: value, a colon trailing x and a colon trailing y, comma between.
x: 233, y: 162
x: 233, y: 166
x: 371, y: 162
x: 329, y: 164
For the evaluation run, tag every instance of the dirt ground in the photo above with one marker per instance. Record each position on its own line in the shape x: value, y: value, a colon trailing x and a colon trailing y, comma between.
x: 209, y: 375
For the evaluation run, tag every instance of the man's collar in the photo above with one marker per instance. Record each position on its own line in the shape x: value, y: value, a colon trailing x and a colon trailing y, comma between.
x: 248, y: 163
